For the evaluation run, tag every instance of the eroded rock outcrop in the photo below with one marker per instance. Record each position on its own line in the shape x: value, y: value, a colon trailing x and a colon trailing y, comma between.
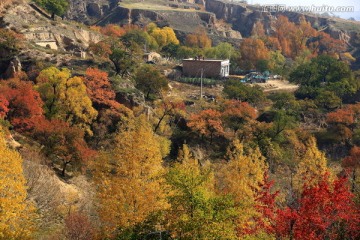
x: 13, y: 68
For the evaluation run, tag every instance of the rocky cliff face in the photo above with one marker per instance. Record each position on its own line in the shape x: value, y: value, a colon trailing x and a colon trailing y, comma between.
x: 244, y: 16
x: 47, y: 33
x: 90, y: 11
x: 240, y: 18
x: 103, y: 12
x: 179, y: 20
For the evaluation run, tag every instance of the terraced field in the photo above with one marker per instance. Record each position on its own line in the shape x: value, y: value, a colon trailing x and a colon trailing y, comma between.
x: 159, y: 5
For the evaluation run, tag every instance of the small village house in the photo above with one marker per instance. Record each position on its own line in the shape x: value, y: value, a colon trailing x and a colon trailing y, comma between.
x: 210, y: 68
x: 151, y: 57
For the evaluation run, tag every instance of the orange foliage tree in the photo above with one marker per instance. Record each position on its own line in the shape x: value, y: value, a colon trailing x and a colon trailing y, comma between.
x: 198, y: 39
x: 284, y: 28
x: 113, y: 30
x: 208, y: 123
x: 236, y: 113
x: 325, y: 44
x: 252, y: 51
x: 292, y: 37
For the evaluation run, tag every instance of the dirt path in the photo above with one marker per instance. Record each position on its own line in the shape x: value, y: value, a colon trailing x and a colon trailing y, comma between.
x: 188, y: 91
x: 278, y: 85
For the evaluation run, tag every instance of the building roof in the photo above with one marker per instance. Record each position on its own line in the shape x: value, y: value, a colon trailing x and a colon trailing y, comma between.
x: 207, y: 60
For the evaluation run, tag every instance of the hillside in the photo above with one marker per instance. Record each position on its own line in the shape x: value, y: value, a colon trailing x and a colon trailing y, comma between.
x: 169, y: 119
x: 222, y: 19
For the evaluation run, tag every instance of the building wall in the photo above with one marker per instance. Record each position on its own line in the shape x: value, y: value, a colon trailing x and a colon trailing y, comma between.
x: 192, y: 68
x: 211, y: 68
x: 50, y: 44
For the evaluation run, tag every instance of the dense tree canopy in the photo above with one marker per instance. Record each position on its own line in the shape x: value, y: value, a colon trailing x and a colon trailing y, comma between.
x: 57, y: 7
x: 150, y: 81
x: 66, y: 98
x: 324, y: 72
x: 236, y: 90
x: 130, y: 181
x: 130, y: 152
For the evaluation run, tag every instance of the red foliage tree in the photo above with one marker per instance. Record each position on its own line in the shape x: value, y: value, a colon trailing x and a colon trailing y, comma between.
x: 266, y: 206
x: 78, y: 227
x: 62, y: 143
x: 325, y: 211
x: 351, y: 164
x: 23, y: 103
x: 4, y: 106
x: 101, y: 49
x: 110, y: 112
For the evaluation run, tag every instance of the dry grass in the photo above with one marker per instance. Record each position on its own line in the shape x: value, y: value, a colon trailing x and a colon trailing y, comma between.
x: 154, y: 5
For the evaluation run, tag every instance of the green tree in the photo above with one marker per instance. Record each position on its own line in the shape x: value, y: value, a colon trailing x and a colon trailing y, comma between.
x: 327, y: 100
x: 122, y: 60
x: 234, y: 89
x: 150, y: 81
x: 171, y: 50
x: 276, y: 62
x: 324, y: 72
x: 57, y: 7
x: 222, y: 51
x: 10, y: 43
x: 196, y: 212
x: 137, y: 39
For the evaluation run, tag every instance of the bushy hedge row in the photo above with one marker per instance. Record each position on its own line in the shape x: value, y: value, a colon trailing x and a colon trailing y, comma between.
x: 197, y: 81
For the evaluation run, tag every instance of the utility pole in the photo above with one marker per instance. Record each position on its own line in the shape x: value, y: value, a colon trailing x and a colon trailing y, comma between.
x: 201, y: 83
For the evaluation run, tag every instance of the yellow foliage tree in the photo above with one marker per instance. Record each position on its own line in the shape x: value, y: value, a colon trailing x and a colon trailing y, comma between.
x: 241, y: 178
x: 16, y: 214
x: 312, y: 166
x: 66, y: 98
x: 163, y: 36
x: 74, y: 98
x: 129, y: 178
